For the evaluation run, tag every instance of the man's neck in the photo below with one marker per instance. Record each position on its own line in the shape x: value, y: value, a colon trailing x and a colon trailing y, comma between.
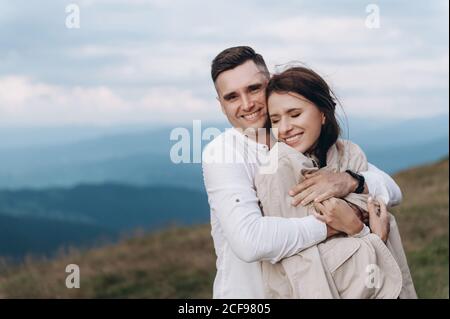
x: 260, y: 136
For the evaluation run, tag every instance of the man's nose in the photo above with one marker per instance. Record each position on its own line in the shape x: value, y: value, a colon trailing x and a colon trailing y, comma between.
x: 247, y: 103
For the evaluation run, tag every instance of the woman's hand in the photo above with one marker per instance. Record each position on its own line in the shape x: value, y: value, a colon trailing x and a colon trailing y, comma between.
x: 337, y: 214
x: 378, y: 218
x: 360, y: 213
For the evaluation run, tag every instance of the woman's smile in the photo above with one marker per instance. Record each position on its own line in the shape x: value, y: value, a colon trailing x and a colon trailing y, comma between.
x: 292, y: 139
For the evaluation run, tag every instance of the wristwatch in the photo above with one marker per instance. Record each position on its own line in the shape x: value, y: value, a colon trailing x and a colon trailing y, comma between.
x: 360, y: 180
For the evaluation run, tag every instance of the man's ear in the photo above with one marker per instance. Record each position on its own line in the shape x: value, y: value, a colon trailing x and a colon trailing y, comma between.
x: 222, y: 108
x: 221, y: 105
x: 219, y: 99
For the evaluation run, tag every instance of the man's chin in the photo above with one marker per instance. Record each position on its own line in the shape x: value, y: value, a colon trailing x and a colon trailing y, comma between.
x: 254, y: 128
x: 258, y: 124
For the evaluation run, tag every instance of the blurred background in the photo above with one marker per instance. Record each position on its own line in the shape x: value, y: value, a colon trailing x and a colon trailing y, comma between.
x: 87, y: 106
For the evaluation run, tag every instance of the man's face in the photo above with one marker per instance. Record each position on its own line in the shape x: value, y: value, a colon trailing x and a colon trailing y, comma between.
x: 242, y: 95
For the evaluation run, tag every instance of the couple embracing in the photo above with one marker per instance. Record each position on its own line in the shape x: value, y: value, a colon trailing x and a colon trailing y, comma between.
x: 318, y: 225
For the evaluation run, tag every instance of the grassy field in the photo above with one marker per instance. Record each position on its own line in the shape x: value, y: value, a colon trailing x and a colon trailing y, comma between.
x: 423, y: 222
x: 180, y: 262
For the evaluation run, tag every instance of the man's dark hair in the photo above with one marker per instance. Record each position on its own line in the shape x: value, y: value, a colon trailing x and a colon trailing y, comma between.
x: 232, y: 57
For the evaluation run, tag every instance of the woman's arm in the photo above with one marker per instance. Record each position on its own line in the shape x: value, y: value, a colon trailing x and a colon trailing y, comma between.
x: 324, y: 185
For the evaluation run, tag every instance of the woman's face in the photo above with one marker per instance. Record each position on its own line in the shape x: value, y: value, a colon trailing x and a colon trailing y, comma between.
x: 299, y: 122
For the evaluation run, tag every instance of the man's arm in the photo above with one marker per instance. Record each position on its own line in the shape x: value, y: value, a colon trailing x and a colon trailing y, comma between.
x: 381, y: 185
x: 254, y: 237
x: 324, y: 185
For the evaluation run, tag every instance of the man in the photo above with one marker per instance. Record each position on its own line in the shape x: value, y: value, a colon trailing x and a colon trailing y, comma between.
x: 242, y: 236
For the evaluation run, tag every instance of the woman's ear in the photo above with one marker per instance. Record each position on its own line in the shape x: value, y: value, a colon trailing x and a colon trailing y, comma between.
x: 323, y: 119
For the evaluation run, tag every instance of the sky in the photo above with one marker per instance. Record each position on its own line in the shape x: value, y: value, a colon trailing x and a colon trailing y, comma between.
x: 148, y: 61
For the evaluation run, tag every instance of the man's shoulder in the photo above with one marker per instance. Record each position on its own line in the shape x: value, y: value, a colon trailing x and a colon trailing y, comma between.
x: 219, y: 140
x: 221, y: 147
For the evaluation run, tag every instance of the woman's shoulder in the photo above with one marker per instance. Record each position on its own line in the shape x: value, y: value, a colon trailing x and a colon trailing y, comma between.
x: 286, y: 152
x: 348, y: 146
x: 288, y: 156
x: 350, y: 150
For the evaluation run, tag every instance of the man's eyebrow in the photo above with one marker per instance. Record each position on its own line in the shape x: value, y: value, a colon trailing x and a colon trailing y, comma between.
x: 255, y: 86
x: 229, y: 95
x: 252, y: 86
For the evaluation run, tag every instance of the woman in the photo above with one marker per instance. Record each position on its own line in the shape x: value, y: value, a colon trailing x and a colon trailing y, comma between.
x: 356, y: 263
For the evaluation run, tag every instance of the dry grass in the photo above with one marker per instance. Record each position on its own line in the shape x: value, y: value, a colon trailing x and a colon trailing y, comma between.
x: 423, y: 222
x: 169, y: 264
x: 180, y: 262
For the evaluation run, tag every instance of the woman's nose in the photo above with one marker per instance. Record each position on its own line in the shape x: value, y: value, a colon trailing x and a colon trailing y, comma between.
x: 284, y: 127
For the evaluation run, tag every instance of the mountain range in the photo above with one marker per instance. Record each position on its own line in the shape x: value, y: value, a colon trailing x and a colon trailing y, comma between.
x: 65, y: 157
x: 73, y: 185
x: 180, y: 262
x: 39, y: 221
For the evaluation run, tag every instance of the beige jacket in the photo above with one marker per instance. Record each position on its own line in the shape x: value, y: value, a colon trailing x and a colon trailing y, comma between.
x: 340, y: 267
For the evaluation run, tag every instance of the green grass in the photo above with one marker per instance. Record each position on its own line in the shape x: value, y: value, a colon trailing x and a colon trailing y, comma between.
x: 180, y: 262
x: 423, y: 222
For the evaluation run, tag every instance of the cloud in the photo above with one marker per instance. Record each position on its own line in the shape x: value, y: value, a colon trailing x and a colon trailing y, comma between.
x: 131, y: 57
x: 24, y: 101
x: 394, y: 107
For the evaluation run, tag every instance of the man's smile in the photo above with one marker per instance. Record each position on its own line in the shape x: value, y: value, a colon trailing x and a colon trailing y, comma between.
x: 252, y: 116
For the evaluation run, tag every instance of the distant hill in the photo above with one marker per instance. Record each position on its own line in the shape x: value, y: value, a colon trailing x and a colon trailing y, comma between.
x: 180, y: 262
x: 395, y: 158
x: 134, y: 158
x: 21, y: 236
x: 65, y: 157
x: 39, y: 221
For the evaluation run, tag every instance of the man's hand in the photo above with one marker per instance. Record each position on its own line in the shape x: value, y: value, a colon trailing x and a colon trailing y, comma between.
x: 378, y: 218
x: 322, y: 185
x: 339, y: 215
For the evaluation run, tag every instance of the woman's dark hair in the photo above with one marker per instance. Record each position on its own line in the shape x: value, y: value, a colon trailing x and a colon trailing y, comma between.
x: 313, y: 87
